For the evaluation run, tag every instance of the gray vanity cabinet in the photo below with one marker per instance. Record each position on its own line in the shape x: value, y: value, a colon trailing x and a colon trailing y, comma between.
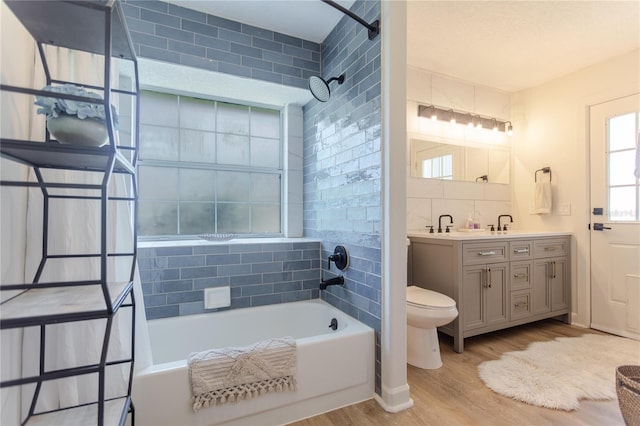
x: 497, y: 282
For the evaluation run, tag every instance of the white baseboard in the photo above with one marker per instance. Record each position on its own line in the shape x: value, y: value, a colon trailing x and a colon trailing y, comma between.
x: 394, y: 400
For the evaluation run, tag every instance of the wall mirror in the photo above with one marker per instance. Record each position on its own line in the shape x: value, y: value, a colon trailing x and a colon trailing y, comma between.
x: 469, y: 162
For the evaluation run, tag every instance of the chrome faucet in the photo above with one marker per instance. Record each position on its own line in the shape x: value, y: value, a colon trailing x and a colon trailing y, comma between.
x: 440, y: 222
x: 504, y: 227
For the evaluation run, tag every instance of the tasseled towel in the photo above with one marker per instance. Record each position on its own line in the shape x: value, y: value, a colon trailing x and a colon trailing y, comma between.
x: 230, y: 374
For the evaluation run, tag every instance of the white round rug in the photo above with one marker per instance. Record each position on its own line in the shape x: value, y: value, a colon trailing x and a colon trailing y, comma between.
x: 557, y: 374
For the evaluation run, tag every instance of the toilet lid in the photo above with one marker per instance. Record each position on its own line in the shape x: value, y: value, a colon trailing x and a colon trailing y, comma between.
x: 418, y: 296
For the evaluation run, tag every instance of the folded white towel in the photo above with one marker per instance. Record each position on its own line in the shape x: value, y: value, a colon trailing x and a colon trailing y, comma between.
x: 229, y: 374
x: 542, y: 198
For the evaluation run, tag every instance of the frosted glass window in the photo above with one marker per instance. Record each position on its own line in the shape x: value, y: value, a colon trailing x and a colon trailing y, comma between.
x: 197, y: 185
x: 197, y: 114
x: 233, y: 218
x: 197, y: 146
x: 158, y: 143
x: 265, y: 218
x: 233, y: 186
x: 622, y: 158
x: 197, y: 218
x: 233, y: 119
x: 265, y: 188
x: 265, y: 123
x: 208, y: 167
x: 265, y: 152
x: 159, y: 108
x: 158, y: 183
x: 157, y: 218
x: 233, y: 149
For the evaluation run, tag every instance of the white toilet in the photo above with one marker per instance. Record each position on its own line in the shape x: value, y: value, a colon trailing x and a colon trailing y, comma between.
x: 426, y: 310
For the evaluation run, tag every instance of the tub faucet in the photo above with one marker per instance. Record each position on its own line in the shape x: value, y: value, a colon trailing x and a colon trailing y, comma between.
x: 440, y: 222
x: 331, y: 281
x: 504, y: 227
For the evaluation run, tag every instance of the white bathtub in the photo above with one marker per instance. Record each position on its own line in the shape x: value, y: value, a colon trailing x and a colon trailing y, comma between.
x: 335, y: 368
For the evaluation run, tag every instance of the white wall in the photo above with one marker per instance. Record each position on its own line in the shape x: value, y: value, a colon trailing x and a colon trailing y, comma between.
x: 429, y: 198
x: 550, y: 129
x: 16, y: 65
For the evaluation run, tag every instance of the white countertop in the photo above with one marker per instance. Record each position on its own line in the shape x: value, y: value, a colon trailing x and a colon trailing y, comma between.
x: 484, y: 235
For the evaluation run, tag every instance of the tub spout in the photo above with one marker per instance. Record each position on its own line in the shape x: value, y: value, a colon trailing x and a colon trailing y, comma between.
x: 332, y: 281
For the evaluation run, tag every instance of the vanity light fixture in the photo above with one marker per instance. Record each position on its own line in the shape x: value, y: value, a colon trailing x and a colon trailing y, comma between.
x: 436, y: 113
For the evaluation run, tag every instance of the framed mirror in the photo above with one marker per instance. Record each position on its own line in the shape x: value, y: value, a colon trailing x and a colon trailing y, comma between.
x: 469, y: 162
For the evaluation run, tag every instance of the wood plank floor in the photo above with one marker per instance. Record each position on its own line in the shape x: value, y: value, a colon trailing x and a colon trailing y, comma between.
x: 455, y: 395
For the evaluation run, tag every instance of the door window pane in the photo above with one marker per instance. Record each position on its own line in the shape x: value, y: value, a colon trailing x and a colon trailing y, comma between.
x: 622, y: 203
x: 622, y: 131
x: 622, y: 160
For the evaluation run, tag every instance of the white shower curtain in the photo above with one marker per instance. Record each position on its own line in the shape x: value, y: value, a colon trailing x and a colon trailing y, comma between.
x: 74, y: 227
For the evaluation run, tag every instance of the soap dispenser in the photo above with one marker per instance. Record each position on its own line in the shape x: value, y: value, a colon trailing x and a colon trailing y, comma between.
x: 469, y: 224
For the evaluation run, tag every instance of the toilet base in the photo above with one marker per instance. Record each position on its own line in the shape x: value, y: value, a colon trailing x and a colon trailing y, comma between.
x: 423, y: 348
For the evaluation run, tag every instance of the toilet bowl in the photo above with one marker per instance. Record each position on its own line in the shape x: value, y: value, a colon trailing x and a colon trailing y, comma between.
x: 426, y: 310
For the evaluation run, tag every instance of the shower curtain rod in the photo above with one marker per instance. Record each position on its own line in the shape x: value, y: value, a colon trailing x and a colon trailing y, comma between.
x: 374, y: 27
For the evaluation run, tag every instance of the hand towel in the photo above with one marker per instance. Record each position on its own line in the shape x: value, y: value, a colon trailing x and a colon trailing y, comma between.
x: 542, y: 198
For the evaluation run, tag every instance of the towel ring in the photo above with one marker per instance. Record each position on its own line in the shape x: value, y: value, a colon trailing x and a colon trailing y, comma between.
x: 543, y: 170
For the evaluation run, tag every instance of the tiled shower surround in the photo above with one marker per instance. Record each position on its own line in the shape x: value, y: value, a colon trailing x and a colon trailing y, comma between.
x: 342, y: 161
x: 171, y: 33
x: 174, y: 278
x: 342, y: 168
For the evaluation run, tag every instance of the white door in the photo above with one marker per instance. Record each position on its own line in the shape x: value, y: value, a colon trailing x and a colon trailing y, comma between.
x: 615, y: 216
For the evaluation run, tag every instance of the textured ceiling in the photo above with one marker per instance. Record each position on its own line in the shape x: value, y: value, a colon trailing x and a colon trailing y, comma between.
x: 510, y: 45
x: 513, y: 45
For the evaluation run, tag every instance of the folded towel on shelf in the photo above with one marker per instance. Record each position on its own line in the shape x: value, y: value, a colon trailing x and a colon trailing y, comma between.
x: 542, y: 198
x: 230, y: 374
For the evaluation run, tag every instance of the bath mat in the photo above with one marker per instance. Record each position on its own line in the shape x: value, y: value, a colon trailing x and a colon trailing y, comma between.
x: 557, y: 374
x: 230, y: 374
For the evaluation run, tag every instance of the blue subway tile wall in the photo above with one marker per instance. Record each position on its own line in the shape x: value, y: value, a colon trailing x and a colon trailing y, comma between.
x: 171, y: 33
x: 342, y: 168
x: 174, y: 278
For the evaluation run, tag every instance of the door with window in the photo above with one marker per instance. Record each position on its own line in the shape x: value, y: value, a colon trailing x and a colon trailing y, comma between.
x: 615, y: 216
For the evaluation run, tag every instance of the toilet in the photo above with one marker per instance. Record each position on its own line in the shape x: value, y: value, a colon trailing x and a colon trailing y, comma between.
x: 426, y: 310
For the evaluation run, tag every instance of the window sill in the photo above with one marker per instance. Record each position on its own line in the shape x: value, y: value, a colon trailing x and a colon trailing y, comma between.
x: 236, y: 241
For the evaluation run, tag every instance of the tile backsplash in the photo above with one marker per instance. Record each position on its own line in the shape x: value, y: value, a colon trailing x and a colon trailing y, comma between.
x: 427, y: 199
x: 174, y: 278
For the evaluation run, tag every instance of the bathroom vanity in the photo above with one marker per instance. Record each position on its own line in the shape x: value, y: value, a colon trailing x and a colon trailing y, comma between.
x: 497, y: 280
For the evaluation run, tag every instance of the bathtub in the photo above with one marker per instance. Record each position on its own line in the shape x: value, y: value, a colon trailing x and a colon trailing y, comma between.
x: 335, y: 368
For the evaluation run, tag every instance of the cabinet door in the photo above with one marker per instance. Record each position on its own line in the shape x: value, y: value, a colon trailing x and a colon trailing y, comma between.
x: 540, y: 298
x: 472, y: 311
x: 496, y: 293
x: 484, y: 295
x: 559, y: 283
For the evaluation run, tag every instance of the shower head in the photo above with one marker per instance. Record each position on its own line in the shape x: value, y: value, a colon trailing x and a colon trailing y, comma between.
x: 320, y: 88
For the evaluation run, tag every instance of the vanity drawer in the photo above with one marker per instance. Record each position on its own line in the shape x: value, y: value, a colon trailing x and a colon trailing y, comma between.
x: 520, y: 305
x: 551, y: 247
x: 521, y: 275
x: 521, y: 250
x: 479, y: 253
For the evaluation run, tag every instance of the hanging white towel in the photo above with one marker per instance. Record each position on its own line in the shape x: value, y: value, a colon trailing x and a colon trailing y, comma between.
x: 542, y: 198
